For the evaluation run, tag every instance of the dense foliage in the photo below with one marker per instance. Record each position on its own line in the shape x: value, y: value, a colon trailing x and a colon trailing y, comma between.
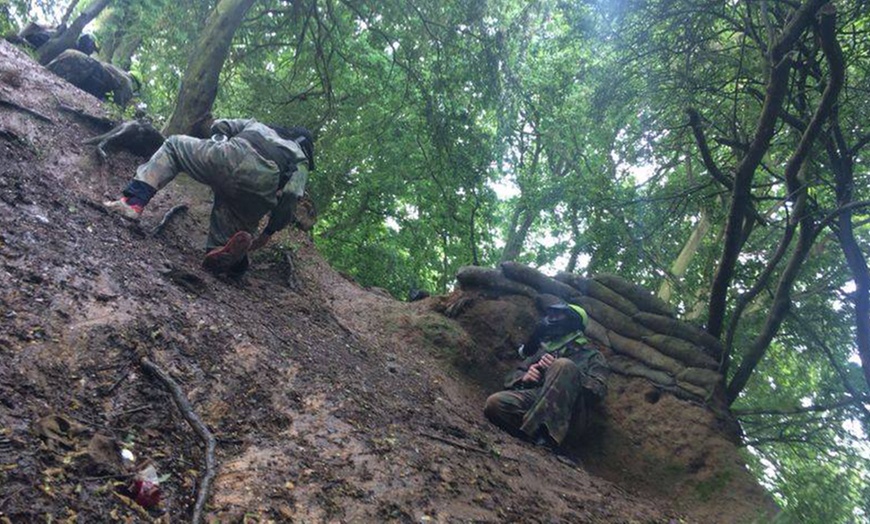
x: 709, y: 150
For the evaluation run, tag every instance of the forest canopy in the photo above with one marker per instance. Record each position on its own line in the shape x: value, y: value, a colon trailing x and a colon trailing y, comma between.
x: 711, y: 151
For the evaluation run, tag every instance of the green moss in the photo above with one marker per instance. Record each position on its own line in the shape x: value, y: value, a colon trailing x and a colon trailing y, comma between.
x: 708, y: 488
x: 441, y: 334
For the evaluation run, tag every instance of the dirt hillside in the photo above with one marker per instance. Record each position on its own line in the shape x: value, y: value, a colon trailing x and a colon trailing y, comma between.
x: 328, y: 402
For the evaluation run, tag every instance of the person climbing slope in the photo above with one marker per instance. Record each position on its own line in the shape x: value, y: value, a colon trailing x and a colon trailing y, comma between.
x: 253, y: 169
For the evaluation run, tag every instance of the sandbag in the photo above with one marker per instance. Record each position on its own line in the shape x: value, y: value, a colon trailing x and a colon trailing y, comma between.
x: 491, y: 279
x: 638, y: 295
x: 644, y: 353
x: 633, y: 368
x: 704, y: 378
x: 596, y: 331
x: 598, y: 291
x: 675, y: 328
x: 613, y: 319
x: 541, y: 282
x: 698, y: 396
x: 694, y: 390
x: 92, y: 76
x: 686, y: 352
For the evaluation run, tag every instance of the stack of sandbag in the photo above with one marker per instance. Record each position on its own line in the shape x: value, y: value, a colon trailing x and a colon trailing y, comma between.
x: 640, y: 329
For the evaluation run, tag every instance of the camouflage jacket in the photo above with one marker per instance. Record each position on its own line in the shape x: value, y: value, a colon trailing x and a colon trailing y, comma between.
x: 282, y: 215
x: 591, y: 363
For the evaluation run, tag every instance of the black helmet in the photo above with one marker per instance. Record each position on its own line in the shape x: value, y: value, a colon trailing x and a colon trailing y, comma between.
x: 559, y: 320
x: 86, y: 44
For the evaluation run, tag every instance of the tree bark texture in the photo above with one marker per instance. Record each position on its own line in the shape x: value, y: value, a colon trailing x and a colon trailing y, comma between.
x: 199, y: 85
x: 67, y: 39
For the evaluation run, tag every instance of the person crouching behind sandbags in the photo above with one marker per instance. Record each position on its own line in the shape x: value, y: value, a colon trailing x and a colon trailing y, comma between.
x: 562, y: 373
x: 252, y: 168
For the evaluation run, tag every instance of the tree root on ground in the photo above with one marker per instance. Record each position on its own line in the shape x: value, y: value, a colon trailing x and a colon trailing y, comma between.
x: 180, y: 208
x: 31, y: 112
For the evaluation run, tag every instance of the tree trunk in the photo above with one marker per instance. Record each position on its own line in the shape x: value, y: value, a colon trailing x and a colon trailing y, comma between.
x: 681, y: 264
x: 123, y: 55
x: 576, y: 245
x: 802, y: 214
x: 778, y: 310
x: 858, y: 265
x: 842, y: 161
x: 517, y: 235
x: 735, y: 228
x: 67, y: 39
x: 200, y: 82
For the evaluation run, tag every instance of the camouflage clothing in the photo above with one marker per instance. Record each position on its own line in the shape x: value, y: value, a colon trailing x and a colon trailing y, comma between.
x: 246, y: 185
x: 577, y: 376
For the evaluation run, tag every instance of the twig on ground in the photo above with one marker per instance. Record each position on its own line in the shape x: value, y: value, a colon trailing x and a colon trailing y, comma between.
x: 133, y: 410
x: 11, y: 495
x: 94, y: 205
x: 198, y: 426
x: 31, y: 112
x: 180, y: 208
x: 117, y: 382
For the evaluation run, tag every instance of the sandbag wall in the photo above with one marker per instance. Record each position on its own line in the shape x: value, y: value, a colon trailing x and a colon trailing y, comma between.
x: 643, y: 336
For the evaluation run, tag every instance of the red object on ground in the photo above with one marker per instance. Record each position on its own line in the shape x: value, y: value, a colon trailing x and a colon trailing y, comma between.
x: 146, y: 493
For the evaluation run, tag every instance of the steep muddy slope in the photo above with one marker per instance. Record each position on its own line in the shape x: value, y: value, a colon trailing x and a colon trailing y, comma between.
x: 328, y: 402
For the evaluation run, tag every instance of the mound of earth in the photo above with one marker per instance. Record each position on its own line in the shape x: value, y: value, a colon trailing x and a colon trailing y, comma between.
x: 328, y: 402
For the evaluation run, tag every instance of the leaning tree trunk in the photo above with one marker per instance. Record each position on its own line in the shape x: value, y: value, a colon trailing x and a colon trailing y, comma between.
x: 842, y: 161
x: 200, y: 83
x: 123, y: 55
x: 777, y: 87
x: 690, y: 249
x: 521, y: 222
x: 826, y: 32
x: 67, y: 39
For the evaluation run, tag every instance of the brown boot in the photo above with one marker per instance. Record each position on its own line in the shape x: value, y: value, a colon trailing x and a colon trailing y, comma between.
x: 225, y: 258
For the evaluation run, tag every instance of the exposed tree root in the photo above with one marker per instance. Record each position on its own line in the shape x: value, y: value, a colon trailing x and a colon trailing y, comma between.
x: 180, y: 208
x: 31, y: 112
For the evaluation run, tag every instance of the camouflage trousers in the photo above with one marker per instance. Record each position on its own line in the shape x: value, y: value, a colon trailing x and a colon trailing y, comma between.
x: 550, y: 407
x: 244, y: 183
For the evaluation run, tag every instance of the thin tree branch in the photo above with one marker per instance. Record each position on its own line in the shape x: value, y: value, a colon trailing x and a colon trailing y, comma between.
x: 704, y: 149
x: 198, y: 426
